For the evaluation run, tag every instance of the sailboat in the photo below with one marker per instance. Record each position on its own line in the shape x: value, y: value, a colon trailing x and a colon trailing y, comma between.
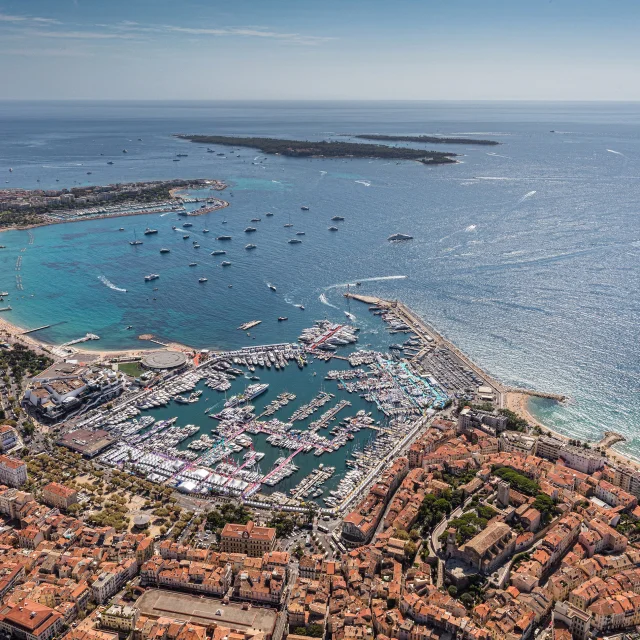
x: 289, y: 223
x: 135, y: 240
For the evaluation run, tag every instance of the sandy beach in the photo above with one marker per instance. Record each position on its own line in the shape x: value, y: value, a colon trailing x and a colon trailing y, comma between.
x: 13, y: 333
x: 516, y: 401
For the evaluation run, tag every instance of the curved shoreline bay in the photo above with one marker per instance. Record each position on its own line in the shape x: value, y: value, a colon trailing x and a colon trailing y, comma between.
x: 524, y: 255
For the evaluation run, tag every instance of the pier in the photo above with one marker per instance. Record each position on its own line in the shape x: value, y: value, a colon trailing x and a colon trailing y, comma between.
x: 433, y: 339
x: 44, y: 326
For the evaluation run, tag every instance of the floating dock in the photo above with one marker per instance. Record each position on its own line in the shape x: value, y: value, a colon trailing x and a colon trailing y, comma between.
x: 245, y: 326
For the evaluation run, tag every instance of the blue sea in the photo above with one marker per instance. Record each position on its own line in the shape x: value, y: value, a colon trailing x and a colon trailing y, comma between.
x: 526, y: 255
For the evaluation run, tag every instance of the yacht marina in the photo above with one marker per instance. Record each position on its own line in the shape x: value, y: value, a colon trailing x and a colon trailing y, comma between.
x: 269, y: 431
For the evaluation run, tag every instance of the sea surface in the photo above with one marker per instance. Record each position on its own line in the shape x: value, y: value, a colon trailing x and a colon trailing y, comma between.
x: 526, y: 255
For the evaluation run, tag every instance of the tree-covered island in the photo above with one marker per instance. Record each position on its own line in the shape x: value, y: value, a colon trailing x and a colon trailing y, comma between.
x: 324, y: 149
x: 426, y: 139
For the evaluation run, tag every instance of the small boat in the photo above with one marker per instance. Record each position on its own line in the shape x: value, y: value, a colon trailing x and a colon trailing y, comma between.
x: 282, y: 318
x: 163, y: 250
x: 300, y: 306
x: 174, y: 227
x: 218, y: 252
x: 148, y: 231
x: 255, y: 219
x: 121, y: 228
x: 124, y: 151
x: 150, y: 277
x: 187, y: 224
x: 250, y: 246
x: 196, y: 245
x: 226, y: 263
x: 272, y: 287
x: 230, y: 286
x: 299, y: 233
x: 337, y: 218
x: 223, y: 238
x: 202, y: 279
x: 399, y: 237
x: 205, y: 231
x: 135, y: 240
x: 250, y: 230
x: 176, y: 159
x: 89, y: 173
x: 304, y: 207
x: 186, y: 236
x: 181, y: 155
x: 294, y: 241
x: 130, y: 326
x: 268, y: 214
x: 109, y: 162
x: 289, y: 224
x: 333, y: 228
x: 193, y: 264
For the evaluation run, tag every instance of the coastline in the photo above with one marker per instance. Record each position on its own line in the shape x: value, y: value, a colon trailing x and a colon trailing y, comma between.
x: 16, y: 333
x: 125, y: 214
x: 516, y: 400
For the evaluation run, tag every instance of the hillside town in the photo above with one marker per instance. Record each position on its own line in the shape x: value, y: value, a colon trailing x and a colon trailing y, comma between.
x: 466, y: 521
x: 479, y: 532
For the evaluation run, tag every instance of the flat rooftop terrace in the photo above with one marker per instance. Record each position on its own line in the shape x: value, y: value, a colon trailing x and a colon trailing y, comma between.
x: 87, y: 442
x: 156, y: 603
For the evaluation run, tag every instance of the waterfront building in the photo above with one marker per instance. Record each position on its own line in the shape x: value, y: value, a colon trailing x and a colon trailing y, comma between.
x: 249, y: 539
x: 13, y: 472
x: 514, y: 442
x: 584, y: 460
x: 119, y: 617
x: 8, y: 438
x: 489, y: 422
x: 549, y: 447
x: 59, y: 496
x: 28, y: 620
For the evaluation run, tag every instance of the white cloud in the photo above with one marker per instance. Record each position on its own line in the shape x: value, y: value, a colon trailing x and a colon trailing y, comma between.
x: 26, y: 19
x: 128, y: 30
x: 81, y: 35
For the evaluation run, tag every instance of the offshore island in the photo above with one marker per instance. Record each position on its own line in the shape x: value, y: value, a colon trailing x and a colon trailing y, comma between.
x: 324, y: 149
x: 455, y: 516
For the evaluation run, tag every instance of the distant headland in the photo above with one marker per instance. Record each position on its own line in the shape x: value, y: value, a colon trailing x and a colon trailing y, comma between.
x: 22, y: 208
x: 427, y: 139
x: 324, y: 149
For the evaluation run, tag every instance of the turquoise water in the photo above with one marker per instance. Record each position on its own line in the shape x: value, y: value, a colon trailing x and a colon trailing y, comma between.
x: 525, y: 255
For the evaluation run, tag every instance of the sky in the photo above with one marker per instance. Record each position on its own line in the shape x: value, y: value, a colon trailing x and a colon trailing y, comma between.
x: 320, y: 49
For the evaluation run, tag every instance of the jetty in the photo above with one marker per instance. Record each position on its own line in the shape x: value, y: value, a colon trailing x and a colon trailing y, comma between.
x: 86, y: 338
x: 44, y: 326
x: 431, y: 338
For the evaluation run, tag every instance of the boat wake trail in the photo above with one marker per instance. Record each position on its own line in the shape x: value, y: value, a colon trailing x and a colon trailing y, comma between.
x: 353, y: 284
x: 616, y: 152
x: 324, y: 300
x: 110, y: 284
x: 364, y: 182
x: 526, y: 196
